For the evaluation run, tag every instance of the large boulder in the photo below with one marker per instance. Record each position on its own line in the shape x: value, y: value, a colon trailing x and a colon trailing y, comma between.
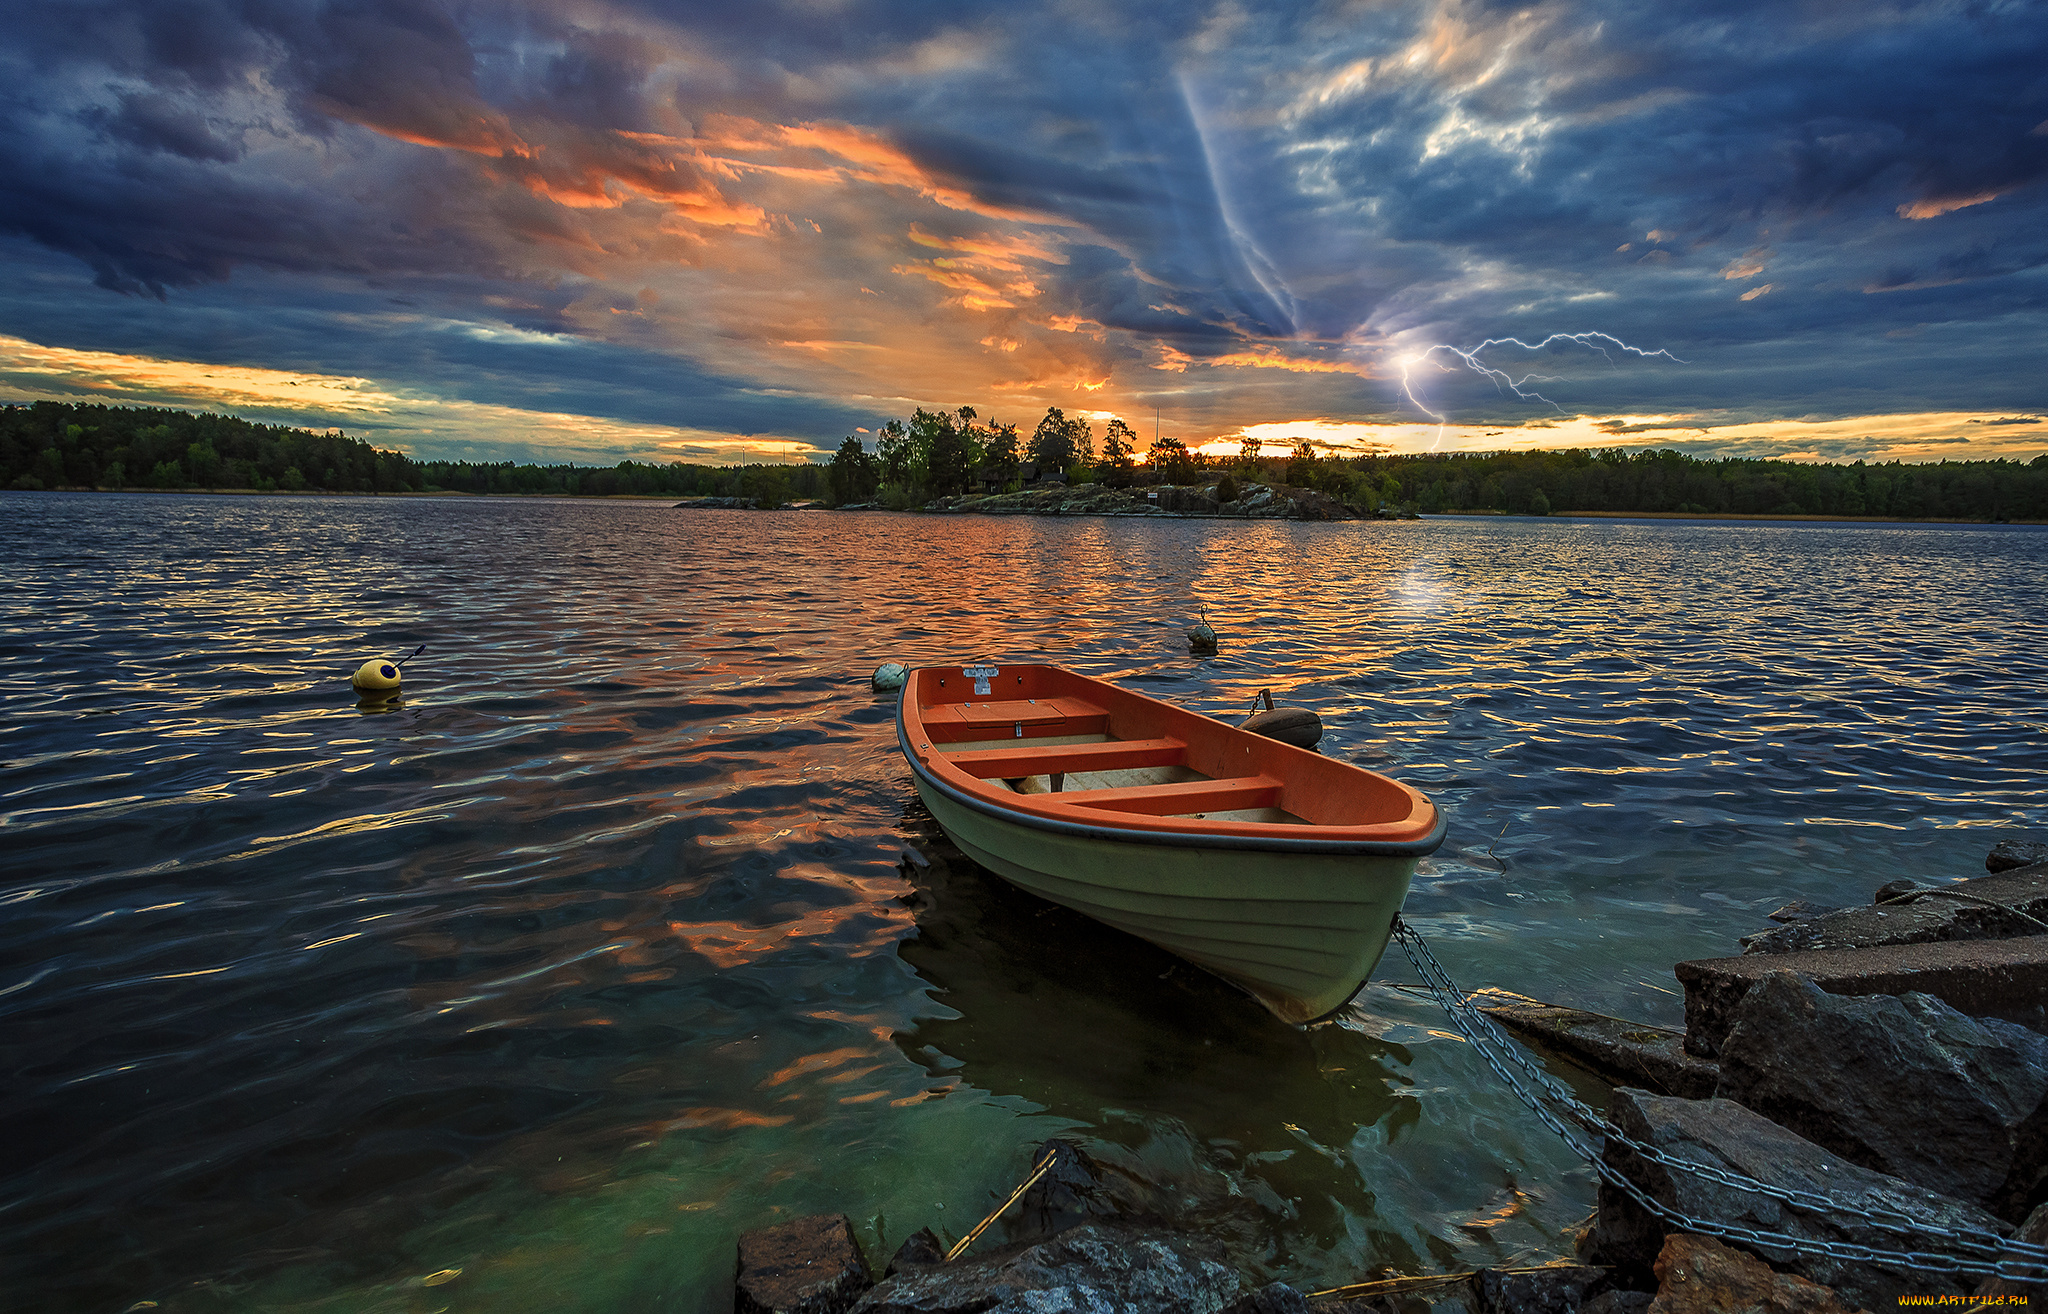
x: 805, y: 1266
x: 1907, y: 1086
x: 2009, y: 1291
x: 1097, y: 1268
x: 1722, y: 1134
x: 2005, y: 979
x: 1698, y: 1275
x: 2008, y: 854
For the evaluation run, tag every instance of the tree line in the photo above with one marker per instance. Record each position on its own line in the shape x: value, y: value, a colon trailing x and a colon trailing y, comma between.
x: 938, y: 454
x: 935, y: 454
x: 49, y: 445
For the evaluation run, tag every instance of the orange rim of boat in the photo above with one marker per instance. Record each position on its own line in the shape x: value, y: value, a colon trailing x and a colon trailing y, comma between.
x: 1418, y: 831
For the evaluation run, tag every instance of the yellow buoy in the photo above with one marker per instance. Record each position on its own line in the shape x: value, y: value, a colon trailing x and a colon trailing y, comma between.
x: 378, y: 675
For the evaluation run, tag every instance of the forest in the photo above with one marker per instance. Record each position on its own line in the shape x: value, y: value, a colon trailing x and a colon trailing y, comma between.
x: 933, y: 454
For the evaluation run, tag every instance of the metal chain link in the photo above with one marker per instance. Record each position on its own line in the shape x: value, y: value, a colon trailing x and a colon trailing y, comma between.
x: 2027, y: 1262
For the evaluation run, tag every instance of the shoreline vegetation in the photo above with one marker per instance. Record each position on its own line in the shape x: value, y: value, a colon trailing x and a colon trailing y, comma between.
x: 954, y: 462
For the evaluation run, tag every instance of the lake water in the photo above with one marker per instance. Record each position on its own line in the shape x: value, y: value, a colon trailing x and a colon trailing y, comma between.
x: 624, y: 932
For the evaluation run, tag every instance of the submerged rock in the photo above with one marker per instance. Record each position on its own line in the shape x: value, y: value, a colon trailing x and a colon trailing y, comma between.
x: 1723, y: 1134
x: 1622, y: 1053
x: 805, y: 1266
x: 1906, y: 1086
x: 1698, y: 1275
x: 918, y: 1249
x: 1097, y: 1268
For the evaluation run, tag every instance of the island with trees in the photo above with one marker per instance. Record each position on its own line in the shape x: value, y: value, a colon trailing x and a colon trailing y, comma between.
x: 955, y: 461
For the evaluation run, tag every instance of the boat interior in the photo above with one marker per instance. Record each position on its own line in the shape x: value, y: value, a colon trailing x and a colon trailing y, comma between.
x: 1088, y: 766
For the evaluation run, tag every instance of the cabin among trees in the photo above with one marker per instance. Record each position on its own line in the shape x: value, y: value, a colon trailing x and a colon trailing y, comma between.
x: 933, y: 454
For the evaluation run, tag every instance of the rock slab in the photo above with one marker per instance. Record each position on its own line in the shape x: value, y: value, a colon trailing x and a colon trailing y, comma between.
x: 1622, y: 1053
x: 1093, y: 1269
x: 1698, y: 1275
x: 1722, y: 1134
x: 1958, y: 910
x: 2006, y: 979
x: 805, y: 1266
x: 1906, y: 1086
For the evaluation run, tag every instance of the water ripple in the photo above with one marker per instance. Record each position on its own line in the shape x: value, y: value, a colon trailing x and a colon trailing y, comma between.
x: 623, y: 930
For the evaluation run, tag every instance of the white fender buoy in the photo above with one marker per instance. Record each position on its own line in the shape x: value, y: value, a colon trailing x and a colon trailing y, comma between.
x: 889, y: 677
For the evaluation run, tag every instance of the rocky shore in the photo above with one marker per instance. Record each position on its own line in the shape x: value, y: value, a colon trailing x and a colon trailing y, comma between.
x: 1888, y: 1060
x: 1194, y: 501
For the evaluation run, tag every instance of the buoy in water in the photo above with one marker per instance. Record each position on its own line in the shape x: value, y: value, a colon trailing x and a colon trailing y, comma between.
x: 1201, y: 639
x: 1290, y: 725
x: 378, y: 675
x: 889, y: 676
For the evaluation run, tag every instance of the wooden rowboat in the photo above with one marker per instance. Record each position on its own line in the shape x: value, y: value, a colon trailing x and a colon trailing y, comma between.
x: 1277, y: 869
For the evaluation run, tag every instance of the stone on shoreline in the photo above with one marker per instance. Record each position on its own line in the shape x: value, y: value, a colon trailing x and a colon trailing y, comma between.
x: 805, y: 1266
x: 1558, y: 1289
x: 1097, y: 1268
x: 717, y: 504
x: 2008, y: 854
x: 2003, y: 1290
x: 1620, y: 1053
x: 1948, y: 912
x: 1722, y: 1134
x: 1257, y: 502
x: 1906, y: 1086
x: 2005, y: 979
x: 1699, y: 1275
x: 1273, y: 1298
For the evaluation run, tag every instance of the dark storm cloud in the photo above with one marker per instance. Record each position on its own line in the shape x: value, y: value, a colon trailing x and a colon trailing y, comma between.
x: 1366, y: 178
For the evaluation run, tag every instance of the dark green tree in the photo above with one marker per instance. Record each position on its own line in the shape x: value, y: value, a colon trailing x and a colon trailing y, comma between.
x: 1052, y: 442
x: 1119, y: 444
x: 1000, y: 456
x: 1301, y: 467
x: 1173, y: 461
x: 944, y: 454
x: 852, y: 475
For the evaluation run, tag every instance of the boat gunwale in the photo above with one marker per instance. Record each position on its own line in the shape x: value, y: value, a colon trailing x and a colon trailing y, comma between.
x: 1155, y: 834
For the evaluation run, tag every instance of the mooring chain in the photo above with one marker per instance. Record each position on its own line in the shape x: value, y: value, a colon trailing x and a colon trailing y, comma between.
x: 2029, y: 1265
x: 1488, y: 1039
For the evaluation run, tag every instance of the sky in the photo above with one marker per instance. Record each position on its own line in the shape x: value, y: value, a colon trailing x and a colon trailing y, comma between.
x: 576, y: 230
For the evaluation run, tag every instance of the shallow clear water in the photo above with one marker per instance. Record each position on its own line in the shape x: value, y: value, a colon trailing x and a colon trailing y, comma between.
x: 623, y: 931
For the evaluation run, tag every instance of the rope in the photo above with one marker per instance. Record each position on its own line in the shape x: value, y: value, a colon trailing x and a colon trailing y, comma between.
x: 1051, y: 1156
x: 1909, y: 896
x: 1424, y: 1281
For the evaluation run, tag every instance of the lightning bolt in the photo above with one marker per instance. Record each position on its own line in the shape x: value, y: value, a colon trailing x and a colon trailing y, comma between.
x: 1502, y: 379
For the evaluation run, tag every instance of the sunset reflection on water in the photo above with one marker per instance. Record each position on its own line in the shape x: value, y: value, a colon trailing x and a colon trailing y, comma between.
x: 622, y: 931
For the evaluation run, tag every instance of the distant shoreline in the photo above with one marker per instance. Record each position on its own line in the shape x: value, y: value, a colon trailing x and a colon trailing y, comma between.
x: 1727, y: 516
x: 1437, y: 515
